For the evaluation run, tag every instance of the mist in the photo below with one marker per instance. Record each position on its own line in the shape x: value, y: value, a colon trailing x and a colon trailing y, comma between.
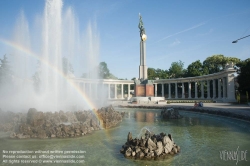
x: 39, y: 77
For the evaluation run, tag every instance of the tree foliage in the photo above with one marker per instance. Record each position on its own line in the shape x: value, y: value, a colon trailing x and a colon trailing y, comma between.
x: 5, y: 70
x: 244, y: 74
x: 103, y: 70
x: 217, y: 63
x: 151, y: 73
x: 176, y: 69
x: 67, y: 66
x: 196, y: 69
x: 157, y: 73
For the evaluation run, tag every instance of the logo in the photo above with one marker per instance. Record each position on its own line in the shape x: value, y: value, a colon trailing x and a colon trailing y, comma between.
x: 233, y: 155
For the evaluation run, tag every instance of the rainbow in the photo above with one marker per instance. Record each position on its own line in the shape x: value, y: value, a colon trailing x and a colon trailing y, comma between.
x: 27, y: 51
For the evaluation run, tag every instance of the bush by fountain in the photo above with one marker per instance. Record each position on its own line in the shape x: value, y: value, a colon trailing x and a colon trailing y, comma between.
x: 36, y: 124
x: 149, y: 147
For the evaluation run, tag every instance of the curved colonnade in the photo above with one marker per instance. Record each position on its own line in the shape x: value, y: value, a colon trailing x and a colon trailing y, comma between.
x: 218, y: 86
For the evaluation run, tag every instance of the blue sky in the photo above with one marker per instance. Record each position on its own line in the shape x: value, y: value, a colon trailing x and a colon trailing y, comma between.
x: 176, y: 29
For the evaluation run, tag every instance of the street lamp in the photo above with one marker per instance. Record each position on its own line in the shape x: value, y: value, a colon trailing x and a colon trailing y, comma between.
x: 240, y: 39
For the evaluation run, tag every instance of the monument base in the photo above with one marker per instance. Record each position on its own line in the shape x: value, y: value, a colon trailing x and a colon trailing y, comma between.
x: 144, y: 88
x: 144, y: 92
x: 147, y: 100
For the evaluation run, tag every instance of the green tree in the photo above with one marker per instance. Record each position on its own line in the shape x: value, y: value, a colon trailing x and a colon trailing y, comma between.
x: 67, y: 66
x: 133, y: 78
x: 196, y: 69
x: 5, y: 70
x: 104, y: 71
x: 176, y: 69
x: 151, y: 73
x: 217, y: 63
x: 111, y: 76
x: 161, y: 74
x: 157, y: 73
x: 244, y: 74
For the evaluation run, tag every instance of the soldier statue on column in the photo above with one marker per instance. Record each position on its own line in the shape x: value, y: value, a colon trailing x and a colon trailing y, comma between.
x: 142, y: 29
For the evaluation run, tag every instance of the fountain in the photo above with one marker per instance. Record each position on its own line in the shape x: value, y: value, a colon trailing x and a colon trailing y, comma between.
x: 150, y: 146
x: 37, y: 60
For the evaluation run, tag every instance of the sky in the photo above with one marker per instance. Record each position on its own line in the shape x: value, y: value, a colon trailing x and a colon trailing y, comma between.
x: 176, y: 30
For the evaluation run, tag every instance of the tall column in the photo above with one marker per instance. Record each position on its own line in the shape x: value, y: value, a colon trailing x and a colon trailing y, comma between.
x: 189, y: 90
x: 122, y: 91
x: 183, y: 90
x: 224, y: 87
x: 109, y: 91
x: 143, y: 68
x: 219, y: 88
x: 214, y: 89
x: 176, y: 91
x: 208, y: 89
x: 169, y: 90
x: 128, y: 91
x: 195, y: 88
x: 202, y: 89
x: 155, y: 90
x: 162, y: 90
x: 115, y: 91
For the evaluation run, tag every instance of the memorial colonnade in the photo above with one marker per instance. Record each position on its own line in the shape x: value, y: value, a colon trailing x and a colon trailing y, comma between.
x: 217, y: 86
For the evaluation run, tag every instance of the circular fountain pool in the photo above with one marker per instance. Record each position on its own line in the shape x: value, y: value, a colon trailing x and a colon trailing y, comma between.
x: 203, y: 140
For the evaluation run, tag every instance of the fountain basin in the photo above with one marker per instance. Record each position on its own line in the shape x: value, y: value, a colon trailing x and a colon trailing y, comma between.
x: 202, y: 137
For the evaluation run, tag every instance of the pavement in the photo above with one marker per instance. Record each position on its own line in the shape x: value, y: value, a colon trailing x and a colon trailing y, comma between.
x: 240, y: 111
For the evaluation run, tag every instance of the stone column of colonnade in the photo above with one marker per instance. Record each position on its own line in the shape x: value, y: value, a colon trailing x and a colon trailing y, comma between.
x: 96, y: 91
x: 195, y: 89
x: 162, y: 90
x: 224, y: 87
x: 169, y: 90
x: 214, y: 90
x: 219, y: 88
x: 122, y: 91
x: 176, y: 91
x: 109, y: 91
x: 128, y: 91
x: 90, y: 90
x: 155, y: 90
x: 183, y: 90
x: 202, y: 90
x: 115, y: 91
x: 208, y: 89
x: 189, y: 90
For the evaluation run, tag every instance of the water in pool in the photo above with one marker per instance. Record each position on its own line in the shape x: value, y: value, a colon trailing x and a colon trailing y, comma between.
x: 203, y: 139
